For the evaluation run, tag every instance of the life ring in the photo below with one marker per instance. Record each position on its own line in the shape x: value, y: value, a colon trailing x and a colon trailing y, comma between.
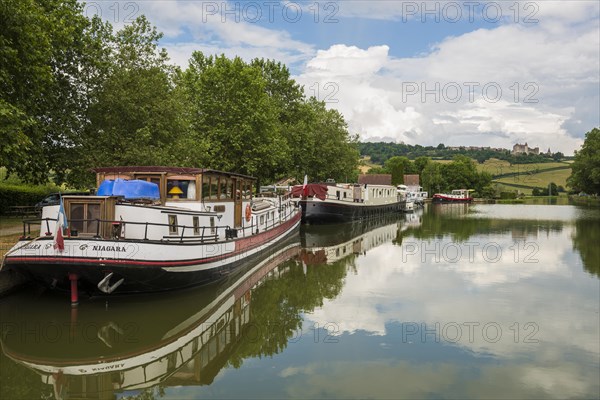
x: 248, y: 213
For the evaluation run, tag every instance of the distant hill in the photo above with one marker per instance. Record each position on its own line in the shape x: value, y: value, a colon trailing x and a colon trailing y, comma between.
x: 379, y: 152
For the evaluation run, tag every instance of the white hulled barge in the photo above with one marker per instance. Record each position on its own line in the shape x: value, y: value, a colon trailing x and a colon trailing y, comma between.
x: 195, y: 227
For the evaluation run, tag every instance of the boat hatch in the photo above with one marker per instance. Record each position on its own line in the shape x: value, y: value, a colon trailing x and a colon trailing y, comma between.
x: 88, y: 215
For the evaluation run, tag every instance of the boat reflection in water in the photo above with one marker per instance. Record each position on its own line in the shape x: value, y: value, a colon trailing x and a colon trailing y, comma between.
x: 137, y: 343
x: 330, y: 243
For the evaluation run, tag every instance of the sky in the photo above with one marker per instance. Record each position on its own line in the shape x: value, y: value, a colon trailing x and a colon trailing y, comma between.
x: 462, y: 73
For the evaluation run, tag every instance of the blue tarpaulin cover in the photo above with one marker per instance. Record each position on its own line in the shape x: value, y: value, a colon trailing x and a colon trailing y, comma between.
x: 134, y: 189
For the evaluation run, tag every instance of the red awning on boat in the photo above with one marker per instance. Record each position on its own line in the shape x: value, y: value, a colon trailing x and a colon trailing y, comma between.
x: 311, y: 190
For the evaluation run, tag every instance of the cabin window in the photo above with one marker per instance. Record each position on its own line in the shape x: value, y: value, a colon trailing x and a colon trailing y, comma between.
x: 223, y: 189
x: 239, y: 187
x: 345, y: 195
x: 196, y: 223
x: 262, y: 219
x: 212, y: 225
x: 214, y: 188
x: 229, y: 189
x: 181, y: 189
x: 154, y: 179
x: 205, y: 187
x: 247, y: 190
x: 173, y: 224
x: 84, y: 217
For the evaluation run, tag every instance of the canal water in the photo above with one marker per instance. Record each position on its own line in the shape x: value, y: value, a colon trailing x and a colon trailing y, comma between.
x: 454, y: 301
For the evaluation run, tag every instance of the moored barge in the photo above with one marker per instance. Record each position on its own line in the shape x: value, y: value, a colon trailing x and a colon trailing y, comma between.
x: 184, y: 227
x: 372, y: 197
x: 457, y: 196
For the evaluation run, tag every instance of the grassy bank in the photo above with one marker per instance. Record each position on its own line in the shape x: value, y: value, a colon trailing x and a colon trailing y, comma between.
x: 591, y: 201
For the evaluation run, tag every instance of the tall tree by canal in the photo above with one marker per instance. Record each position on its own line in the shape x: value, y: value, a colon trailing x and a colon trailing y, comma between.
x: 44, y: 48
x: 586, y: 167
x: 75, y: 94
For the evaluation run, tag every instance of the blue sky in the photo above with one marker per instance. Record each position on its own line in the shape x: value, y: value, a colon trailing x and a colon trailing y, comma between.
x: 485, y: 73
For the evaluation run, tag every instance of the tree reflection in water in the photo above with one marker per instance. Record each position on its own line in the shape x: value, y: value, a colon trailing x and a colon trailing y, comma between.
x: 586, y: 240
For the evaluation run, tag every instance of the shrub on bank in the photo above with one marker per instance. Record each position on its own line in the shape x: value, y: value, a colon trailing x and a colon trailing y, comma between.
x: 508, y: 195
x: 20, y: 195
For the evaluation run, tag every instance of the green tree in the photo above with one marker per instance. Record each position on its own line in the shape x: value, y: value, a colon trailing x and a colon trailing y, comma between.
x: 42, y: 51
x: 585, y: 175
x: 330, y: 151
x: 397, y: 167
x: 421, y: 163
x: 288, y: 99
x: 433, y: 179
x: 461, y: 173
x: 233, y: 116
x: 134, y: 115
x: 585, y: 241
x: 377, y: 170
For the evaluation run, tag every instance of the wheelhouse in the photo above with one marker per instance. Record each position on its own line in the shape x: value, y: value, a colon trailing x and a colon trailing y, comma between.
x: 193, y: 188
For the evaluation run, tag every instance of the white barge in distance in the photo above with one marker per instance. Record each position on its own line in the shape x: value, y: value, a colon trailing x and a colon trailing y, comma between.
x: 373, y: 196
x: 200, y: 225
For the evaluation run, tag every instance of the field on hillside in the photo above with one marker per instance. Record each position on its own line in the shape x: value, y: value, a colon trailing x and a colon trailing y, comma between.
x: 507, y: 188
x: 499, y: 167
x: 365, y: 164
x: 526, y: 175
x: 541, y: 179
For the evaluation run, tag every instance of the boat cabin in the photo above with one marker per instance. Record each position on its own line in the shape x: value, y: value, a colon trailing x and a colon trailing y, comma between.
x: 179, y: 184
x: 202, y: 196
x: 460, y: 193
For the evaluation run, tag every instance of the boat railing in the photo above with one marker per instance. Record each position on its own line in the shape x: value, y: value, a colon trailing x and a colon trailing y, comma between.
x: 354, y: 200
x: 113, y: 228
x: 286, y: 210
x: 346, y: 199
x: 207, y: 233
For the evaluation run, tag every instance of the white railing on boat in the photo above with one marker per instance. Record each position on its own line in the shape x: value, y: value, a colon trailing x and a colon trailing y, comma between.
x: 208, y: 233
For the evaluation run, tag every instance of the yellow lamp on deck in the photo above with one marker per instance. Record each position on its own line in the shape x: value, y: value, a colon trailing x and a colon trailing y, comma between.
x: 175, y: 192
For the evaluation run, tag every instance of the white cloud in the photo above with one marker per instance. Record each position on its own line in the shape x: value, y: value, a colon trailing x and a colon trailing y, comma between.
x: 552, y: 60
x: 427, y: 286
x: 428, y: 281
x: 409, y: 379
x: 522, y: 11
x: 212, y: 27
x: 510, y: 83
x: 348, y: 61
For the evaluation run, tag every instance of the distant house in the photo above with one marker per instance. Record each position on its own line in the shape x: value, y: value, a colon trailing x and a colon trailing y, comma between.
x: 375, y: 179
x: 524, y: 149
x: 411, y: 181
